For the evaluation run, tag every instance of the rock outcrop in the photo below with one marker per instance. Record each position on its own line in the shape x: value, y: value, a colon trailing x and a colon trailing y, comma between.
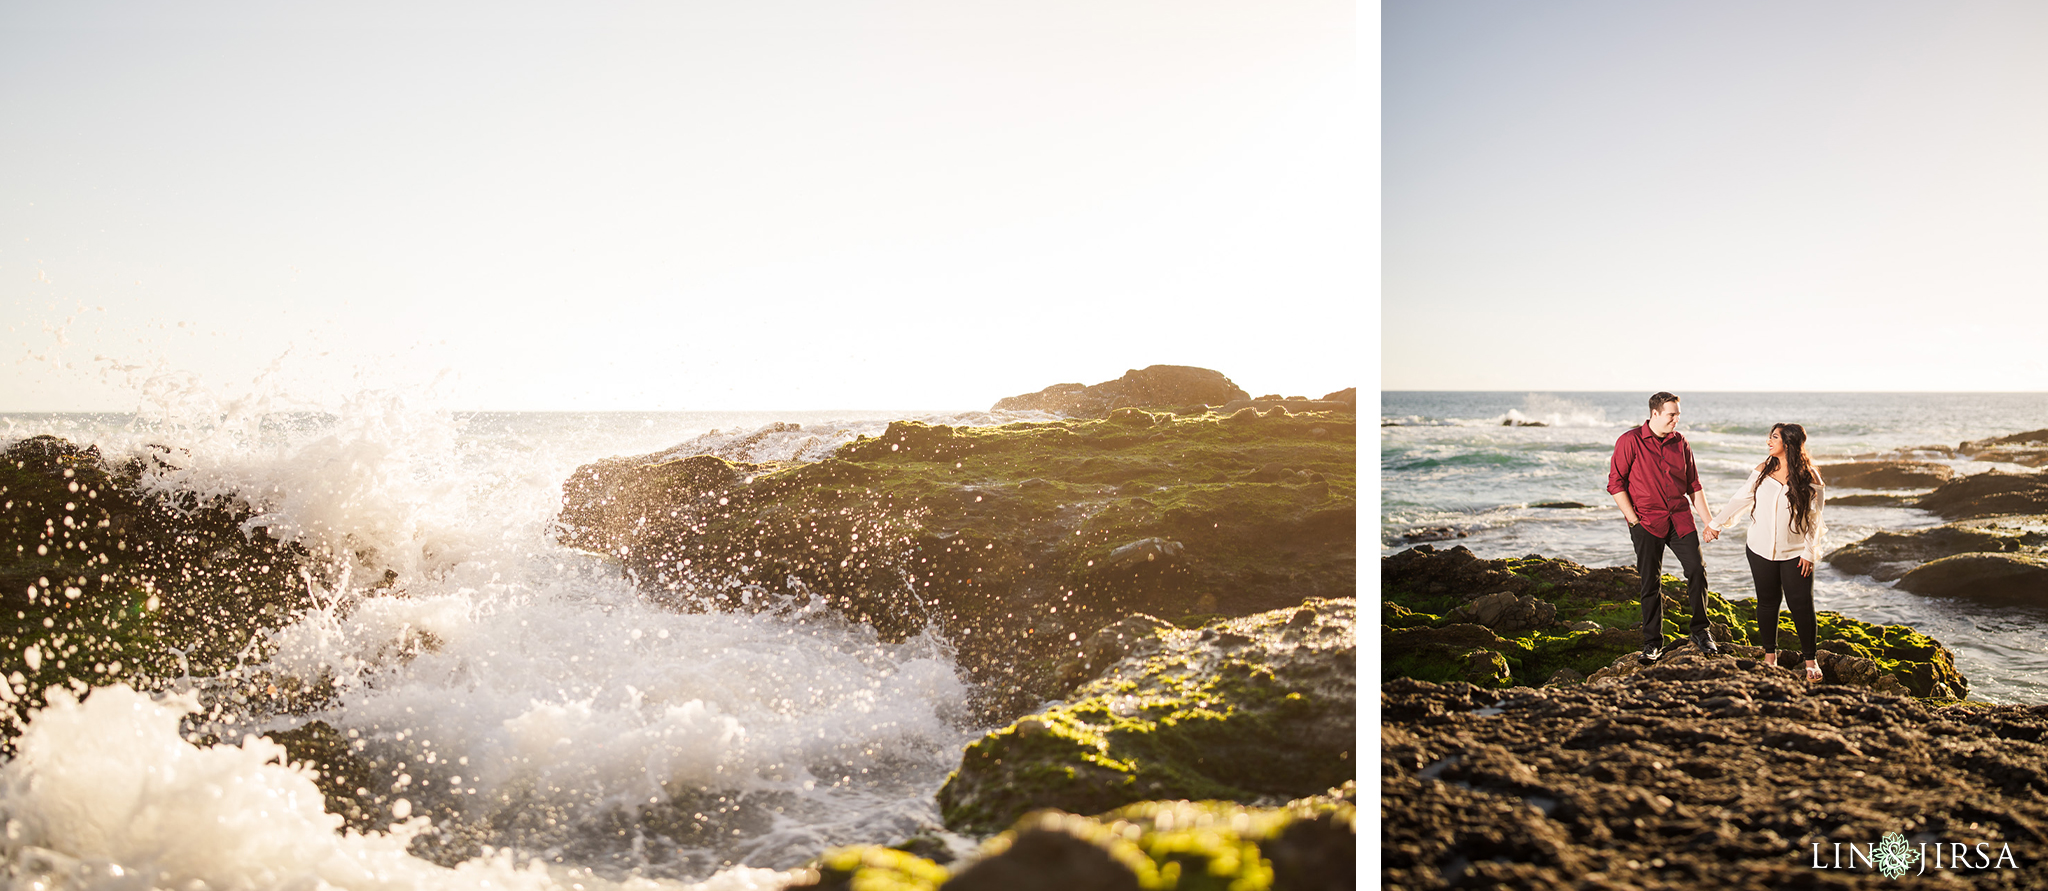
x: 1988, y: 495
x: 1309, y: 844
x: 1886, y: 474
x: 1701, y: 773
x: 2018, y: 578
x: 1175, y: 387
x: 1246, y: 709
x: 104, y: 582
x: 2029, y: 438
x: 1887, y: 555
x: 1017, y: 542
x: 2028, y: 457
x: 1430, y: 626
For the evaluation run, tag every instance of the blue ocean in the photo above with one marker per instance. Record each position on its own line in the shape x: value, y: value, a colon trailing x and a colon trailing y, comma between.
x: 1479, y: 463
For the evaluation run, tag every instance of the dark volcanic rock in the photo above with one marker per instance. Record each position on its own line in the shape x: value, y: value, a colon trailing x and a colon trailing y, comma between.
x: 2029, y: 457
x: 1697, y: 773
x: 1988, y: 495
x: 1888, y: 555
x: 104, y: 581
x: 1886, y: 474
x: 1872, y: 500
x: 1017, y: 542
x: 1999, y: 577
x: 1251, y: 708
x: 1507, y: 614
x: 2030, y: 437
x: 1157, y: 386
x: 1432, y: 533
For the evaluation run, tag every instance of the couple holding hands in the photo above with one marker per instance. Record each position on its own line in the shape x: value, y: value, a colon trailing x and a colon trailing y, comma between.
x: 1654, y: 482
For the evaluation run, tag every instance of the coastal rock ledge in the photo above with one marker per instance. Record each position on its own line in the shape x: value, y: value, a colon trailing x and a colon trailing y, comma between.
x: 1017, y: 543
x: 1703, y: 773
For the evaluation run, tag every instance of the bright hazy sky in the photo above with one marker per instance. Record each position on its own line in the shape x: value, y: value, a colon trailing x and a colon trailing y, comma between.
x: 689, y: 205
x: 1816, y: 195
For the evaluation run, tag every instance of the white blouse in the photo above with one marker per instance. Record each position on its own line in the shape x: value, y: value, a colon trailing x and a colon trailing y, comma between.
x: 1771, y: 536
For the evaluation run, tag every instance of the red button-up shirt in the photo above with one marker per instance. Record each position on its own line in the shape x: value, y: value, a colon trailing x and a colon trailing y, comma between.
x: 1658, y: 475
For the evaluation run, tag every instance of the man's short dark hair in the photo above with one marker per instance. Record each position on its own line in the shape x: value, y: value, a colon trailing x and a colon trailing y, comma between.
x: 1657, y: 401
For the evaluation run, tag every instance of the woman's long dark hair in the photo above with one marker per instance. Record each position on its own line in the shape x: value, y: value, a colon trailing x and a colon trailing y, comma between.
x: 1800, y: 479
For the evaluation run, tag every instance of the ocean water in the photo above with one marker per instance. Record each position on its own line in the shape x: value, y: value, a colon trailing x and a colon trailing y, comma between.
x: 552, y: 682
x: 1447, y: 460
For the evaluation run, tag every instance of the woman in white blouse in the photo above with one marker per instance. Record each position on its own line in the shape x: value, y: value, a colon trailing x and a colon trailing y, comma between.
x: 1783, y: 497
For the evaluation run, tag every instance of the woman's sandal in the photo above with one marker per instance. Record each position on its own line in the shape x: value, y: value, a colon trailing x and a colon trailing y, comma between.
x: 1813, y: 674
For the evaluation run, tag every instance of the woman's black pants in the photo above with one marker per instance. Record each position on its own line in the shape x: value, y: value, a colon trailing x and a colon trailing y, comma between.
x: 1780, y: 580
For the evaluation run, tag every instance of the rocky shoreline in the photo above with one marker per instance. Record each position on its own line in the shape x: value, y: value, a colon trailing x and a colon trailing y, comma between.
x: 1155, y: 595
x: 1700, y: 772
x: 1016, y: 543
x: 1536, y: 621
x: 1524, y: 745
x: 1176, y: 575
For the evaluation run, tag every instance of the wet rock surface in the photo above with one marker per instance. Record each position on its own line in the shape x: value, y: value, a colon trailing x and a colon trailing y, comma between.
x: 104, y: 580
x: 1308, y: 844
x: 2019, y: 440
x: 2020, y: 578
x: 1700, y: 772
x: 1254, y: 709
x: 1886, y: 474
x: 1988, y: 495
x: 1015, y: 542
x: 1887, y: 555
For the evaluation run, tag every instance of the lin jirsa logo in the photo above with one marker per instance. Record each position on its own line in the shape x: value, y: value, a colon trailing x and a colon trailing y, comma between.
x: 1894, y: 856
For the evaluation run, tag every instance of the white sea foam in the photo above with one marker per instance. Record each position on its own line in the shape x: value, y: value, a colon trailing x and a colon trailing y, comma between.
x: 488, y: 672
x: 107, y: 795
x: 784, y: 441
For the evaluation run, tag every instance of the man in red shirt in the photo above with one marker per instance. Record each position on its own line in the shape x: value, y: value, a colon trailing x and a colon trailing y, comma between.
x: 1655, y: 483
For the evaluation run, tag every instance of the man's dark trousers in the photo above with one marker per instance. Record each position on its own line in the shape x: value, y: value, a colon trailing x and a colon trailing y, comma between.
x: 1650, y: 564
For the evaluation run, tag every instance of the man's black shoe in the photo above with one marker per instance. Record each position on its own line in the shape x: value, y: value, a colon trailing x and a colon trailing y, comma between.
x: 1706, y: 644
x: 1650, y: 654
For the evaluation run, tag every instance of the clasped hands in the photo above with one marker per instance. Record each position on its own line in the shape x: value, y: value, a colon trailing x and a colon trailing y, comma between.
x: 1709, y: 533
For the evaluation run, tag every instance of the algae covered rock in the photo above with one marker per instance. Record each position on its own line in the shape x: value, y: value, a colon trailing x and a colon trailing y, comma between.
x: 1886, y: 474
x: 873, y: 868
x: 1507, y: 614
x: 1016, y: 542
x: 1988, y: 495
x: 1596, y: 630
x: 1887, y: 555
x: 1997, y: 577
x: 1245, y: 709
x: 105, y: 581
x: 1309, y: 844
x: 1977, y: 446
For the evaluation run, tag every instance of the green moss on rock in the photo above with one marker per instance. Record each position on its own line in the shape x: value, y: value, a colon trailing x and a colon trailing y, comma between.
x: 1256, y: 707
x: 1017, y: 541
x: 104, y: 580
x: 1425, y: 582
x: 873, y: 868
x: 1309, y: 843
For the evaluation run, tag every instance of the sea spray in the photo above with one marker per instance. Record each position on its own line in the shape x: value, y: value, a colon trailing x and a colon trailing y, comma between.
x: 521, y: 698
x: 105, y: 795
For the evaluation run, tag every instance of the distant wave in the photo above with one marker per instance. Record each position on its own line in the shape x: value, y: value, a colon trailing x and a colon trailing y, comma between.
x: 1537, y: 410
x: 783, y: 441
